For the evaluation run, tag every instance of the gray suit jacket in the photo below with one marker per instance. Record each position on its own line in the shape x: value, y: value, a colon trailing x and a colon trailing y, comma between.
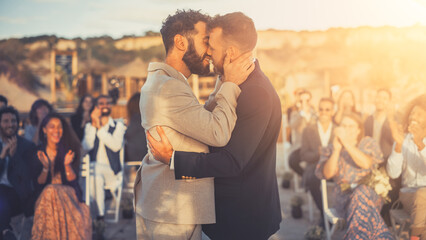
x: 167, y: 100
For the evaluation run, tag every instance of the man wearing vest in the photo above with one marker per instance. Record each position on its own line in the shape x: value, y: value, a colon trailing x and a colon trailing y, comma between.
x: 103, y: 139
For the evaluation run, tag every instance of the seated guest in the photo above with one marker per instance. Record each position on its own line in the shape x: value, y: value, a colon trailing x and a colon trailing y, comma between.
x: 377, y: 126
x: 408, y: 159
x: 82, y: 115
x: 39, y: 110
x: 351, y: 158
x: 346, y: 104
x: 299, y: 119
x: 59, y: 211
x: 314, y: 137
x: 103, y: 140
x: 15, y: 173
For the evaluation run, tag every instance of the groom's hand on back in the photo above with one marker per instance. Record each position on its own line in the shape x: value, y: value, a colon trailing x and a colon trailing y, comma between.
x: 161, y: 150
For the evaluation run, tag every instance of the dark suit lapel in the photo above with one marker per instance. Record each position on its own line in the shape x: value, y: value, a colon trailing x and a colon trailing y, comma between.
x: 316, y: 136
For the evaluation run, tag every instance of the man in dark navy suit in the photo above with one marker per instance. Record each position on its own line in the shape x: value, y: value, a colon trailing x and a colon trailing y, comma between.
x: 16, y: 153
x: 246, y: 193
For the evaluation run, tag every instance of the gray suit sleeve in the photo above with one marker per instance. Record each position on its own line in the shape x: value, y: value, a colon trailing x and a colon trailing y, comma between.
x: 190, y: 118
x: 211, y: 101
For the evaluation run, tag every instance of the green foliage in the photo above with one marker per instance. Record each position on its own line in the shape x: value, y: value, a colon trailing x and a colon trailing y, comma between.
x: 12, y: 51
x: 151, y: 34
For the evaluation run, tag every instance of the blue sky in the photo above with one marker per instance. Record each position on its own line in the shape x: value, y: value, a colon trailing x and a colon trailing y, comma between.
x: 86, y: 18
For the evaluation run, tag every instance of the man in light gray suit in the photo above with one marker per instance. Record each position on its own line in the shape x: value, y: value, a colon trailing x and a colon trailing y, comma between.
x: 165, y: 208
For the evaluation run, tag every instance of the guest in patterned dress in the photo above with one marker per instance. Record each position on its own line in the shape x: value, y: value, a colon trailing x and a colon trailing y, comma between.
x: 347, y: 161
x: 59, y: 211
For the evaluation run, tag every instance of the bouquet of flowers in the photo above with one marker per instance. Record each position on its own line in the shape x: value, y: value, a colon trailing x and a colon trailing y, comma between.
x: 378, y: 180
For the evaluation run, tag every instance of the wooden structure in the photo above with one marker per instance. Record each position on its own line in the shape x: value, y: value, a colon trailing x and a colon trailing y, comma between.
x: 74, y: 68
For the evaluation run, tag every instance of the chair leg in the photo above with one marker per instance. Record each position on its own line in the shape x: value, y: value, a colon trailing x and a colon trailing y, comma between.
x: 310, y: 207
x: 327, y: 228
x: 118, y: 203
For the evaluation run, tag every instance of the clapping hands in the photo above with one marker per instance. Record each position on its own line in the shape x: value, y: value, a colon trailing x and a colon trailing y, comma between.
x: 9, y: 147
x: 43, y: 159
x: 69, y: 157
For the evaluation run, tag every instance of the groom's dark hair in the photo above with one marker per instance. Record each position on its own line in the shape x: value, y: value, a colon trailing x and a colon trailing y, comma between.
x: 236, y: 27
x: 182, y: 22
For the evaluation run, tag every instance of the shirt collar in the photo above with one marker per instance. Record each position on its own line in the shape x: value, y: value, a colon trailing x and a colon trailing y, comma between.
x: 110, y: 122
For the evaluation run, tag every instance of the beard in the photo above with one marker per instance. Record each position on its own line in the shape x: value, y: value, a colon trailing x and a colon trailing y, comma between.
x: 8, y: 132
x: 195, y: 61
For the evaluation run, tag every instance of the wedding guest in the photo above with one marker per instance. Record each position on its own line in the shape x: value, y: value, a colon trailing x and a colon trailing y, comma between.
x: 15, y: 171
x: 299, y: 119
x: 350, y: 159
x: 39, y: 110
x: 316, y: 136
x: 408, y: 160
x: 59, y: 211
x: 82, y: 115
x: 377, y: 126
x: 345, y: 104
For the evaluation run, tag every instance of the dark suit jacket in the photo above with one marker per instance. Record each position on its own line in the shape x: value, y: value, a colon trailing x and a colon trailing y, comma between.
x: 310, y: 149
x: 311, y: 142
x: 246, y: 193
x: 76, y: 125
x: 386, y: 140
x: 19, y: 170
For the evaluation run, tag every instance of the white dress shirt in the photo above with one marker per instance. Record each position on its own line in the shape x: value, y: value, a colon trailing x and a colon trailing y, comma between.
x: 411, y: 163
x: 113, y: 141
x: 324, y: 135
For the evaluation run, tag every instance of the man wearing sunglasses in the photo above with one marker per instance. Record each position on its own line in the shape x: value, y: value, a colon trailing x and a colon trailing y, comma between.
x: 314, y: 137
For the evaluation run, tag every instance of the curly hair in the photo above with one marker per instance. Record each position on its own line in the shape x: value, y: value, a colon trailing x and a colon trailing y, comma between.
x: 420, y: 102
x: 236, y: 27
x: 9, y: 109
x: 182, y: 22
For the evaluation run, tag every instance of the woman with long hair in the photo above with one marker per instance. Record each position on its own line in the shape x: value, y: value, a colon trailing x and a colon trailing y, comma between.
x: 39, y: 110
x: 82, y: 115
x: 346, y: 104
x: 59, y: 211
x: 349, y: 160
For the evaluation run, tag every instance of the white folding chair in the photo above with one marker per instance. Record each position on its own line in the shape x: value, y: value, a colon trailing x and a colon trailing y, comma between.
x: 116, y: 190
x: 330, y: 214
x: 85, y: 172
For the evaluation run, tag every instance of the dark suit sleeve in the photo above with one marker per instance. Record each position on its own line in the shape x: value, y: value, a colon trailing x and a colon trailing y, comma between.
x: 308, y: 151
x: 253, y: 110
